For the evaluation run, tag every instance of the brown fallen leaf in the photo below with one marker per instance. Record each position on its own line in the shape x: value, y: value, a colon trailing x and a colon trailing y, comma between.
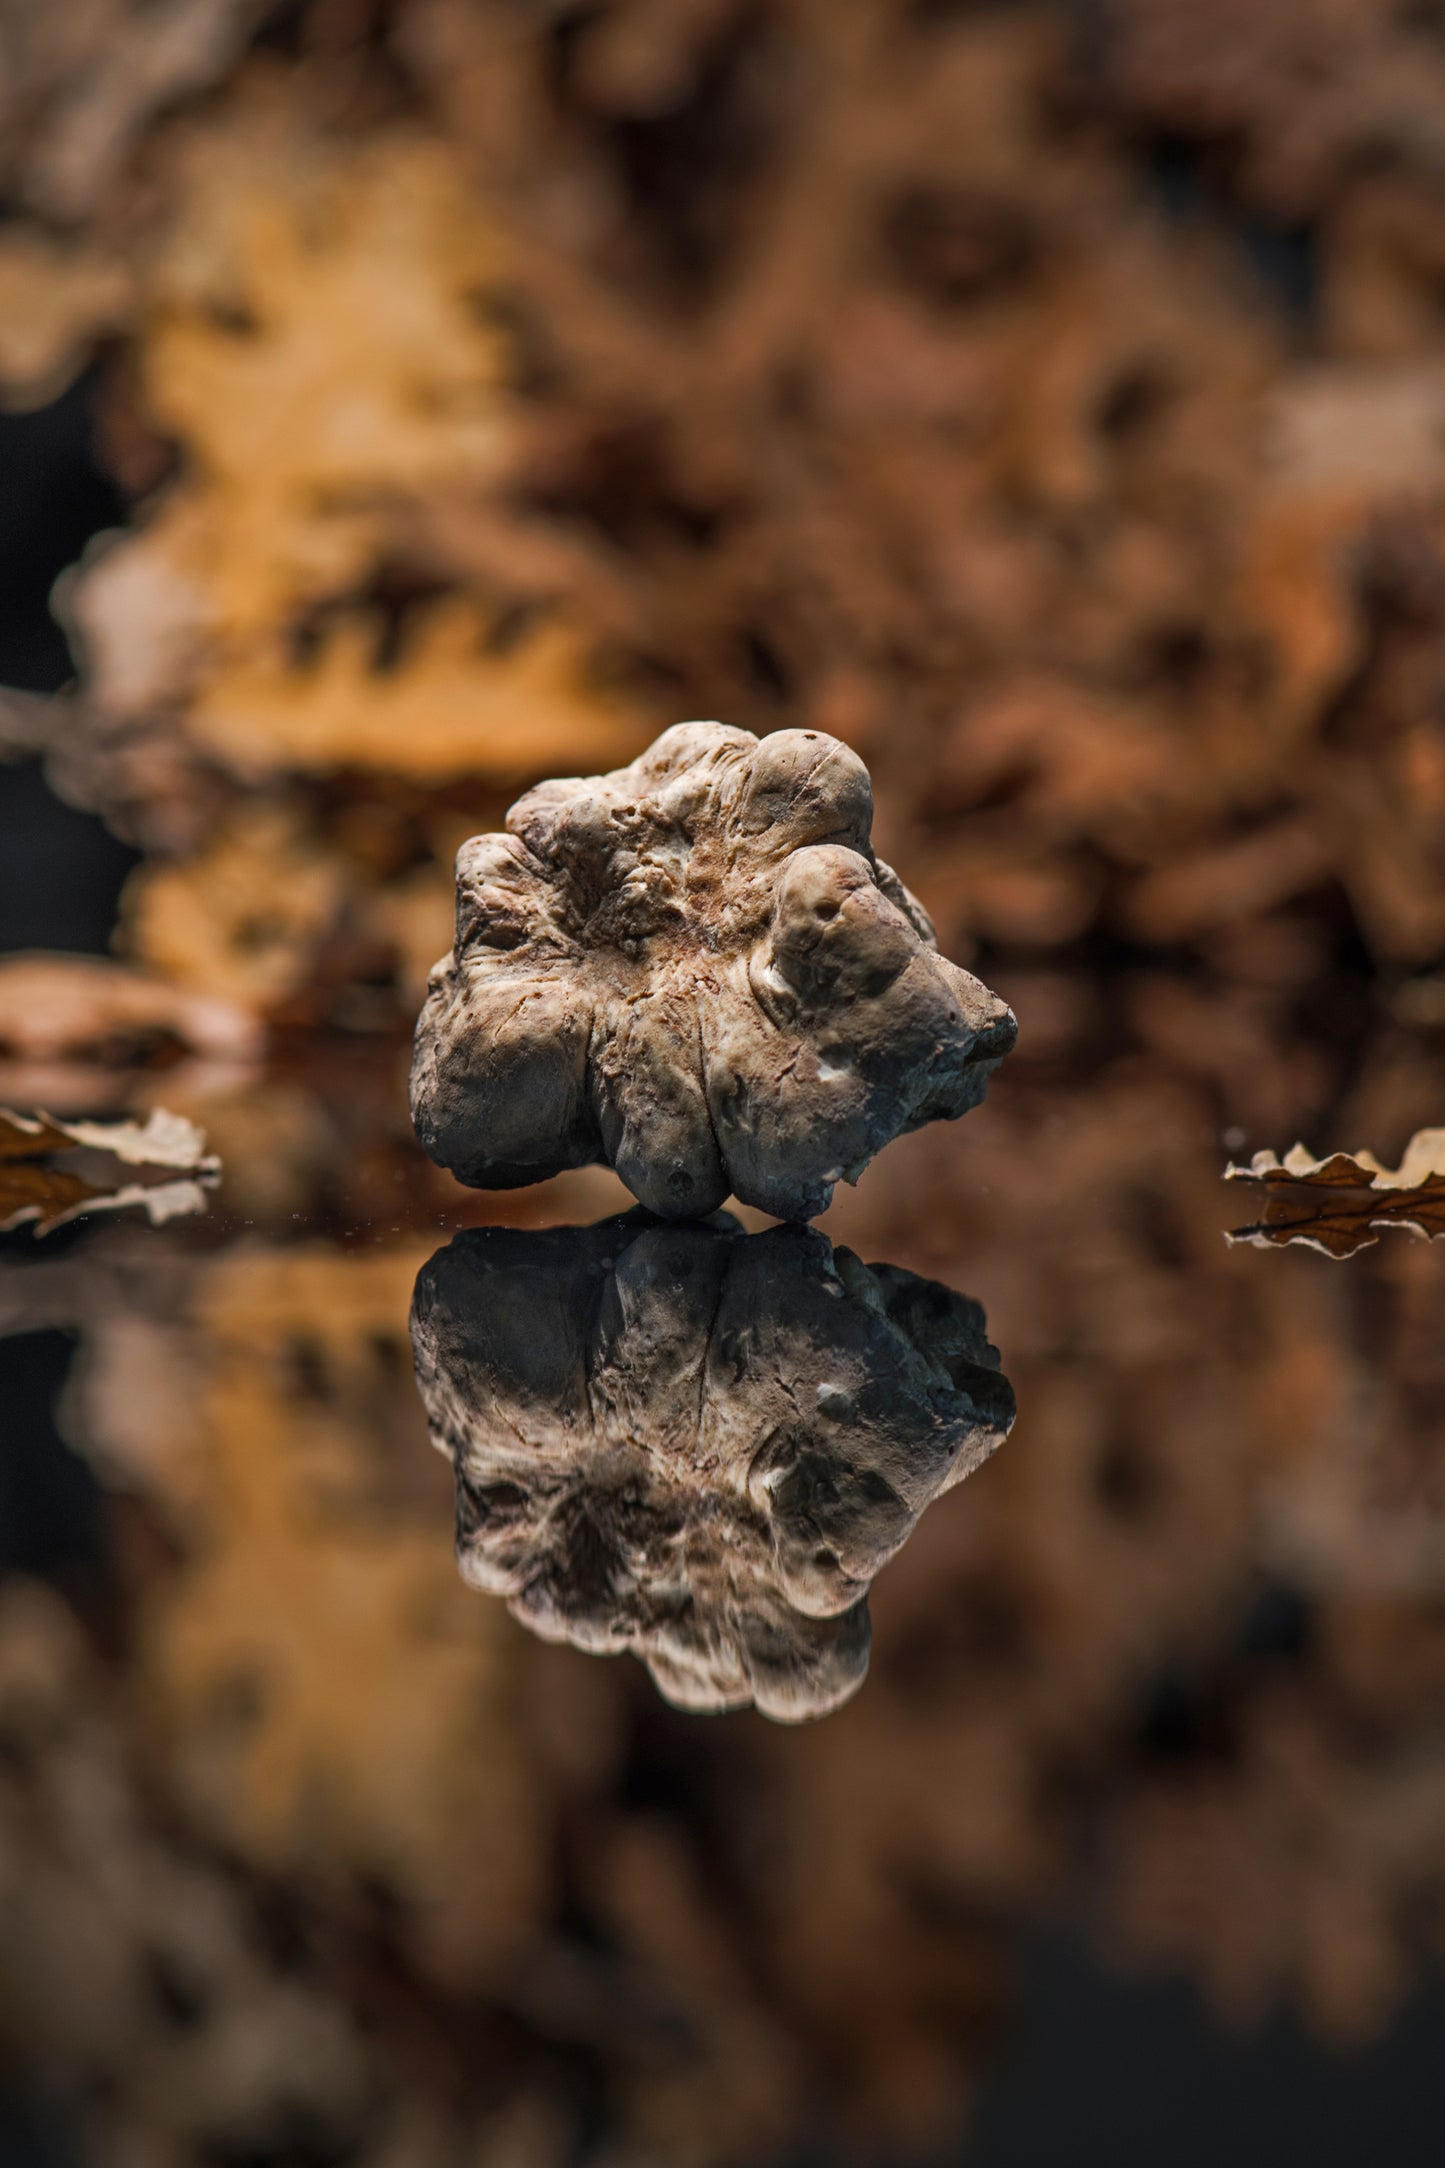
x: 307, y: 428
x: 82, y: 82
x: 449, y: 708
x: 34, y: 1188
x: 59, y: 1007
x: 1340, y: 1203
x: 77, y: 1031
x: 54, y: 303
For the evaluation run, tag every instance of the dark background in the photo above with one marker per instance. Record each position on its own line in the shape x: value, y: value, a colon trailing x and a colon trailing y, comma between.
x: 1098, y: 2071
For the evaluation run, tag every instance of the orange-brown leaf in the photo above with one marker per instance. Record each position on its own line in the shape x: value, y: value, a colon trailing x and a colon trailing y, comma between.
x: 36, y: 1187
x: 1339, y: 1204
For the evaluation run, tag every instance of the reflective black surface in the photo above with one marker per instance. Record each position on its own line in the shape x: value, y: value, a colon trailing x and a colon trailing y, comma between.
x: 697, y: 1444
x: 1148, y: 1754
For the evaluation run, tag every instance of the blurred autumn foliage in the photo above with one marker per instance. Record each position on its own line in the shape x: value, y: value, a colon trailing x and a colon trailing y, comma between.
x: 1056, y: 418
x: 1048, y: 402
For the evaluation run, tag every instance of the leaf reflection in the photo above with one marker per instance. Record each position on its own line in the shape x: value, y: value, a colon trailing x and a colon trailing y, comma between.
x: 42, y: 1183
x: 1339, y: 1204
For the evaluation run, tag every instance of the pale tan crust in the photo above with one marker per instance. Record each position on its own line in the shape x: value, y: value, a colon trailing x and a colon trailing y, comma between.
x: 696, y: 971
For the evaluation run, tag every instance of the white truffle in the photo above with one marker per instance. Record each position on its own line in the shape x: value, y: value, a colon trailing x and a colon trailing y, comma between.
x: 696, y: 971
x: 696, y: 1444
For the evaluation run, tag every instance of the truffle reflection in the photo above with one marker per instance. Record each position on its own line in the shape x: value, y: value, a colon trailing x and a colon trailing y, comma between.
x: 698, y: 1444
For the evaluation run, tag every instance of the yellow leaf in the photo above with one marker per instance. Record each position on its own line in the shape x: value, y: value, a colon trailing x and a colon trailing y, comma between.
x: 447, y: 709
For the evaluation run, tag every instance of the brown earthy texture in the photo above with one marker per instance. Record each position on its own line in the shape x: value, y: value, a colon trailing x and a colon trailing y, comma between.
x: 695, y: 970
x: 1046, y: 402
x: 698, y: 1444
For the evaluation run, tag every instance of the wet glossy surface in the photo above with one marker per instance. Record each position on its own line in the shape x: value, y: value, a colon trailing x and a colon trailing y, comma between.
x: 1163, y: 1677
x: 1046, y: 401
x: 698, y: 1444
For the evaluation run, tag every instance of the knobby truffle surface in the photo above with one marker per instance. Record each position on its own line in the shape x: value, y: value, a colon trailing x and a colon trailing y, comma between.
x: 696, y: 971
x: 698, y: 1445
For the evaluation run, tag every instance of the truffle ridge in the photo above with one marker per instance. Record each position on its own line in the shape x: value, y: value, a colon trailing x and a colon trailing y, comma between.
x: 695, y: 970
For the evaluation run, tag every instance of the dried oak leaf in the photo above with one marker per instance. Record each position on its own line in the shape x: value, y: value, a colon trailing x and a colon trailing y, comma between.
x: 78, y: 84
x: 1291, y: 99
x: 313, y: 337
x: 313, y: 341
x: 1339, y: 443
x: 695, y: 970
x: 276, y: 910
x: 34, y: 1188
x: 54, y: 300
x: 449, y: 706
x: 61, y: 1012
x: 1339, y: 1204
x: 246, y: 917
